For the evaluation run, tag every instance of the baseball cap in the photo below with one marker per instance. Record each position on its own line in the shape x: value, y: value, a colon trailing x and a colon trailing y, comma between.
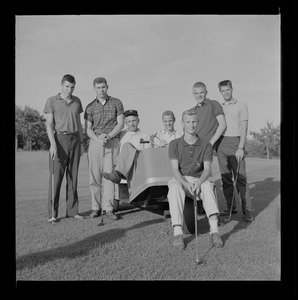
x: 131, y: 112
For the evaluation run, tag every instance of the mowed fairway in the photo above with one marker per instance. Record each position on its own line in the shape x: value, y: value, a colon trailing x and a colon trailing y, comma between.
x: 138, y: 246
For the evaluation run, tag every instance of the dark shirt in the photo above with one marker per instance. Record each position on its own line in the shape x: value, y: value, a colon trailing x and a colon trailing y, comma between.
x: 66, y: 116
x: 207, y: 122
x: 191, y: 157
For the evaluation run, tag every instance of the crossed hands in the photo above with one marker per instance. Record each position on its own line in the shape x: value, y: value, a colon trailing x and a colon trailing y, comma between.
x: 103, y: 138
x: 193, y: 188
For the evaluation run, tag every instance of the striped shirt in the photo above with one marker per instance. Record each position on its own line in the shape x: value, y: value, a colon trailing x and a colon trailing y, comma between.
x: 103, y: 117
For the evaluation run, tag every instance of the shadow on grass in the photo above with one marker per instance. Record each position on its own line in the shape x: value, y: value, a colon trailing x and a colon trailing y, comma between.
x: 262, y: 193
x: 77, y: 249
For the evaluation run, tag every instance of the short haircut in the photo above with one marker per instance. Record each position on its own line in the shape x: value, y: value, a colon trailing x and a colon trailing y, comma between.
x: 189, y: 112
x: 198, y: 85
x: 68, y: 78
x: 225, y: 83
x: 99, y: 80
x: 168, y: 113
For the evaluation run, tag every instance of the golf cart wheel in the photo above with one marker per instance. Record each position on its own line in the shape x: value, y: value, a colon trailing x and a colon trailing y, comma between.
x: 189, y: 217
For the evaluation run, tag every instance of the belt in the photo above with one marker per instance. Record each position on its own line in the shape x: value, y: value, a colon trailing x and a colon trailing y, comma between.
x: 68, y: 132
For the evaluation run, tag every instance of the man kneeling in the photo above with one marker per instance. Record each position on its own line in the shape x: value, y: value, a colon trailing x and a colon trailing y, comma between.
x: 191, y: 158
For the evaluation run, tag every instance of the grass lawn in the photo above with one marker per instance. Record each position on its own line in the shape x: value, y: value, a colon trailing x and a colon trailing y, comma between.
x: 138, y: 246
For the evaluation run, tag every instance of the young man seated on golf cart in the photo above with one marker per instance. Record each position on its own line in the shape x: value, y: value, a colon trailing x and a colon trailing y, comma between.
x: 163, y: 137
x: 191, y: 159
x: 132, y: 140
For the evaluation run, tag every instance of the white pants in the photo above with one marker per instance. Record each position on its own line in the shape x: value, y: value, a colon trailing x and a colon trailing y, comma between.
x: 177, y: 194
x: 97, y: 165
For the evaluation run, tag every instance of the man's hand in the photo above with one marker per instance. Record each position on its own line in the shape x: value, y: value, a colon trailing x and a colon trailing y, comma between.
x: 189, y: 187
x: 196, y: 187
x: 53, y: 151
x: 239, y: 154
x: 102, y: 139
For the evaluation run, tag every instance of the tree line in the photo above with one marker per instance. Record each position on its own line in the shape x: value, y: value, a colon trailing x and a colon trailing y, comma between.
x: 31, y: 134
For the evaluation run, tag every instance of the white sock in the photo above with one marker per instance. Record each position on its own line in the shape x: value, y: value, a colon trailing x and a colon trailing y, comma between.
x: 178, y: 230
x: 213, y: 225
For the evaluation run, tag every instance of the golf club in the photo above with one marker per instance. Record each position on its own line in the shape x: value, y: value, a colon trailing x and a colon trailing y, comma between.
x: 53, y: 196
x: 196, y: 226
x: 234, y: 192
x: 101, y: 184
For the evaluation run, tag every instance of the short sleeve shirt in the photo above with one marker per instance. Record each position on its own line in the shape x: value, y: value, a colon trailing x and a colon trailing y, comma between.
x: 191, y: 158
x: 207, y: 122
x: 166, y: 136
x: 134, y: 138
x: 66, y: 116
x: 235, y: 112
x: 103, y: 117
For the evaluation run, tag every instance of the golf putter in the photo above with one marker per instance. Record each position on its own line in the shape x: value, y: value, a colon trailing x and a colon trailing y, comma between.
x: 53, y: 196
x: 196, y: 226
x: 101, y: 184
x: 234, y: 192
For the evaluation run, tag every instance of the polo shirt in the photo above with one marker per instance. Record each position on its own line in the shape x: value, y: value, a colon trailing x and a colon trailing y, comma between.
x: 66, y: 116
x: 190, y: 157
x: 235, y: 112
x: 207, y: 122
x: 103, y: 117
x: 134, y: 138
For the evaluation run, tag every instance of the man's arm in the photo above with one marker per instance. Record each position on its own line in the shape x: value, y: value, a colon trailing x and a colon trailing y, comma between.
x: 203, y: 178
x: 118, y: 127
x: 240, y: 151
x: 179, y: 176
x: 220, y: 128
x: 50, y: 132
x: 91, y: 134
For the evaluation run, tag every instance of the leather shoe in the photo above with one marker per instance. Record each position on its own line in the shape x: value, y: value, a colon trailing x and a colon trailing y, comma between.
x: 110, y: 215
x: 178, y: 242
x: 226, y: 212
x: 114, y: 176
x: 248, y: 217
x: 216, y: 240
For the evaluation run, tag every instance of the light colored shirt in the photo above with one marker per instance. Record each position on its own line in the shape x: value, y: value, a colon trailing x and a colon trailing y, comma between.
x: 134, y: 138
x: 235, y: 112
x: 166, y: 136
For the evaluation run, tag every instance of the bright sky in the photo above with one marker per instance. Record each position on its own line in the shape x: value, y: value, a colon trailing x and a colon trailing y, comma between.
x: 152, y: 61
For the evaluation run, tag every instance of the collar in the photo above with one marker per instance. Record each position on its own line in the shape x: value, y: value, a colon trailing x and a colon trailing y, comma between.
x: 185, y: 144
x: 60, y: 98
x: 98, y: 101
x: 233, y: 101
x: 169, y: 133
x: 206, y: 101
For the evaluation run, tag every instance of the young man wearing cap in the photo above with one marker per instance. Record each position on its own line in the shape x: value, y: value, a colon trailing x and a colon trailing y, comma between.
x: 65, y: 133
x: 131, y: 143
x: 211, y: 120
x: 231, y: 151
x: 169, y: 133
x: 191, y: 157
x: 103, y: 121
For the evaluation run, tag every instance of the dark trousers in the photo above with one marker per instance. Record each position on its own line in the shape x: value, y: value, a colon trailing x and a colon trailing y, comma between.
x: 228, y: 167
x: 67, y: 159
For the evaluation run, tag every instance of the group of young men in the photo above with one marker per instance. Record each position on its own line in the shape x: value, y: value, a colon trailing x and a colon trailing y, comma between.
x: 112, y: 151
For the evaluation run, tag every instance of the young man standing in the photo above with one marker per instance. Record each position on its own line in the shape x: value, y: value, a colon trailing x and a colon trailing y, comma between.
x: 65, y: 133
x: 191, y: 158
x: 130, y: 145
x: 211, y: 120
x: 103, y: 121
x: 164, y: 136
x: 231, y: 151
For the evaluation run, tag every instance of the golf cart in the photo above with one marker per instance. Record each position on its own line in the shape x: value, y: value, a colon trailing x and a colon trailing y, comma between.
x: 149, y: 183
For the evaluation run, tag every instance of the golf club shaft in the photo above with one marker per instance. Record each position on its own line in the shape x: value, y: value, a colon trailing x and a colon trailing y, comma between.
x: 196, y: 225
x: 235, y: 189
x: 53, y: 188
x: 101, y: 180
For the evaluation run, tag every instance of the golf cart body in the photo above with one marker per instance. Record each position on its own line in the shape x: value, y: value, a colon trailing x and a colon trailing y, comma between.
x: 149, y: 183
